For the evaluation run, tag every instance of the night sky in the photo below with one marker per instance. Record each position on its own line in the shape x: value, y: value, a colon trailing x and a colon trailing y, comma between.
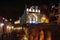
x: 14, y: 9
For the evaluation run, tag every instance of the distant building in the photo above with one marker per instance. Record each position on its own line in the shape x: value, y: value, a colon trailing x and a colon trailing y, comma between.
x: 5, y: 27
x: 33, y: 15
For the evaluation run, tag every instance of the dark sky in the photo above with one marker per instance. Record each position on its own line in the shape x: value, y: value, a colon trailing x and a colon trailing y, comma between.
x: 14, y: 9
x: 11, y: 9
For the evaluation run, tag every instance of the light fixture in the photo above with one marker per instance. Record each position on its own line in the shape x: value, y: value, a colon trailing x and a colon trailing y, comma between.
x: 27, y: 9
x: 1, y: 24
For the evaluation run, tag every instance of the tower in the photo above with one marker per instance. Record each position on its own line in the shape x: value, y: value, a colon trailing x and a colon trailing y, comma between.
x: 33, y: 14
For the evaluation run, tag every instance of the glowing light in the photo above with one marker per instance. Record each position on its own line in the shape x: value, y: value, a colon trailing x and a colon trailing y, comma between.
x: 12, y: 27
x: 8, y: 27
x: 27, y: 9
x: 18, y: 28
x: 48, y: 36
x: 33, y: 18
x: 36, y: 10
x: 10, y: 19
x: 25, y: 38
x: 4, y: 19
x: 1, y: 24
x: 39, y: 11
x: 41, y: 35
x: 44, y: 19
x: 17, y: 22
x: 30, y: 10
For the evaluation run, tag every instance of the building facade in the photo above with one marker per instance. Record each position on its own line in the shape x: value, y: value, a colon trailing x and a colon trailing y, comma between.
x: 33, y: 15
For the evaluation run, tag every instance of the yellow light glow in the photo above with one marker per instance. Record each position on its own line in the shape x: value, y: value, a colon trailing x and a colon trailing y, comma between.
x: 48, y: 36
x: 39, y: 11
x: 33, y: 10
x: 46, y: 21
x: 17, y: 22
x: 9, y: 29
x: 12, y: 27
x: 41, y: 35
x: 18, y: 28
x: 43, y: 18
x: 25, y: 38
x: 30, y: 10
x: 36, y: 10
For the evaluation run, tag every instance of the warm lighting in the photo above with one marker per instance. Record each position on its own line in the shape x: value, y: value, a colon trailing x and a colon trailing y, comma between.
x: 44, y: 19
x: 33, y: 15
x: 1, y: 24
x: 48, y: 35
x: 30, y: 10
x: 17, y: 22
x: 12, y: 27
x: 27, y: 9
x: 41, y: 35
x: 36, y: 10
x: 33, y: 10
x: 9, y: 27
x: 25, y: 38
x: 4, y: 19
x: 31, y: 37
x: 39, y: 11
x: 33, y: 18
x: 18, y: 28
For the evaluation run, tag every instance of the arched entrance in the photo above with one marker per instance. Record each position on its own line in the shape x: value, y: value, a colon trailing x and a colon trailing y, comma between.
x: 33, y: 18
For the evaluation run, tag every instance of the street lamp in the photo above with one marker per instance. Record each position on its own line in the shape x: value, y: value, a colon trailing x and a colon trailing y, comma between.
x: 1, y: 24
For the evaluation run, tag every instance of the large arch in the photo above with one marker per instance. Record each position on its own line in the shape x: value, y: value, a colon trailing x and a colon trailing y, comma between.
x: 33, y: 18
